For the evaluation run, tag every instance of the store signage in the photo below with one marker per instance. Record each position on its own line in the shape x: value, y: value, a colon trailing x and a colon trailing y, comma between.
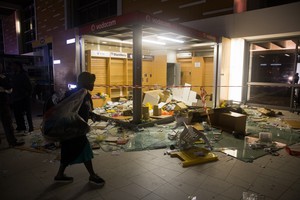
x: 148, y: 57
x: 103, y: 25
x: 143, y: 18
x: 118, y: 55
x: 144, y: 57
x: 184, y: 55
x: 108, y: 54
x: 100, y: 53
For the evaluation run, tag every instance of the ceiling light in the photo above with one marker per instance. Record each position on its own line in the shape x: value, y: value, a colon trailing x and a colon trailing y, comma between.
x: 154, y: 42
x: 191, y: 4
x: 55, y: 62
x: 203, y: 44
x: 170, y: 39
x: 115, y: 40
x: 217, y: 11
x: 70, y: 41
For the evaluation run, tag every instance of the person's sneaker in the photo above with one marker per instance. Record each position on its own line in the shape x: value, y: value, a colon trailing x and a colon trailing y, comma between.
x: 95, y: 179
x: 63, y: 179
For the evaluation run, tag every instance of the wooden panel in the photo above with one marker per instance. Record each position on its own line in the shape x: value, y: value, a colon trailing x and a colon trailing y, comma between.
x: 130, y: 72
x: 186, y: 71
x: 117, y: 71
x: 98, y: 66
x: 147, y: 74
x: 208, y: 74
x: 129, y: 77
x: 116, y: 75
x: 159, y: 71
x: 197, y: 73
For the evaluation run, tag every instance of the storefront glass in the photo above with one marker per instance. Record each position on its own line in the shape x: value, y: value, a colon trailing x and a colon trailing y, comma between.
x: 272, y: 67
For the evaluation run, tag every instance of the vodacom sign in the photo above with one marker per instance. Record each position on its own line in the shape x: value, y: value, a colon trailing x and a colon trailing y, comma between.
x: 103, y: 25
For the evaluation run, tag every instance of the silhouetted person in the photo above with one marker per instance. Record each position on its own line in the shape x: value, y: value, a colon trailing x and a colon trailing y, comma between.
x: 78, y: 149
x: 5, y: 113
x: 21, y: 97
x: 296, y: 78
x: 297, y: 90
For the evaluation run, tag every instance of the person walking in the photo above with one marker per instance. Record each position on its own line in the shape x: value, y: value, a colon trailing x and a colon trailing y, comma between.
x: 296, y: 78
x: 5, y: 111
x: 21, y: 97
x: 78, y: 149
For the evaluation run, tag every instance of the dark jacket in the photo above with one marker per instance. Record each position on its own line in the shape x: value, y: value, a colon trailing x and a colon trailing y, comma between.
x: 5, y: 83
x: 22, y: 87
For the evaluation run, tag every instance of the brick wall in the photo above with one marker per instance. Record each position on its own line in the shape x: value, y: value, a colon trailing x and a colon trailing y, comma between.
x: 10, y: 38
x: 50, y: 17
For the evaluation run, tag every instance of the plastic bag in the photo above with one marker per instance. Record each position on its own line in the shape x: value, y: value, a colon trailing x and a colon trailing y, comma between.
x: 62, y: 121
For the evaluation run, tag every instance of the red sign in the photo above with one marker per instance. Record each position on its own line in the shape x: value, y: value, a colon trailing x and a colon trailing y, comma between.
x: 144, y: 19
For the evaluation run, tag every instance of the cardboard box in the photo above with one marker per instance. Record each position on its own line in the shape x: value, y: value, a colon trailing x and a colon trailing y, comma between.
x: 180, y: 106
x: 151, y: 97
x: 98, y: 102
x: 156, y: 110
x: 229, y: 121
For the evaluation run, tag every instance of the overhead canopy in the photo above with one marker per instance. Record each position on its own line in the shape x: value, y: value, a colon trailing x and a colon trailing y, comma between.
x: 120, y: 28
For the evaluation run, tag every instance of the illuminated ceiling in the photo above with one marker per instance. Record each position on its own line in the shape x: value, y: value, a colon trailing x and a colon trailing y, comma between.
x: 153, y: 39
x: 156, y: 34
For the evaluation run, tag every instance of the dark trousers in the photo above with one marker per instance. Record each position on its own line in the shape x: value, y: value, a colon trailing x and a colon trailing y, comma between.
x: 6, y: 118
x: 21, y: 108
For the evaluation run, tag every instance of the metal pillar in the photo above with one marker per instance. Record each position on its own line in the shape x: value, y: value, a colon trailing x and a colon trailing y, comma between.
x: 137, y: 74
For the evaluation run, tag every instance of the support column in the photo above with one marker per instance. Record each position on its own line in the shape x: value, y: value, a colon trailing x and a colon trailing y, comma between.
x: 137, y: 74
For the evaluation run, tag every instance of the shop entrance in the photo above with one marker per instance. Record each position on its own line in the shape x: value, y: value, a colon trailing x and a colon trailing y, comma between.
x: 122, y: 57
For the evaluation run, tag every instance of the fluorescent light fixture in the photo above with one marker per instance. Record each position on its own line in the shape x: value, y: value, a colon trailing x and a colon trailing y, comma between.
x: 70, y: 41
x: 154, y: 42
x: 288, y: 55
x: 191, y: 4
x: 276, y: 64
x: 203, y: 44
x: 18, y: 26
x: 170, y: 39
x: 115, y: 40
x: 55, y: 62
x: 217, y: 11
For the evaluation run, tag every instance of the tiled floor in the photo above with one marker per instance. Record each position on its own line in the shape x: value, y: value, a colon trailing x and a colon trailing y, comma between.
x: 148, y: 175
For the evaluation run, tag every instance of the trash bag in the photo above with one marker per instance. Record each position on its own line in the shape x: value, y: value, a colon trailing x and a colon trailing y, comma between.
x: 62, y: 121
